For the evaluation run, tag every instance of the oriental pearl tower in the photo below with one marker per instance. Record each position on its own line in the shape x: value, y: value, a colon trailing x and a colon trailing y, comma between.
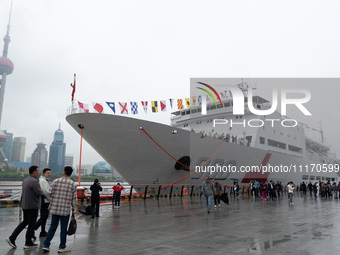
x: 6, y: 67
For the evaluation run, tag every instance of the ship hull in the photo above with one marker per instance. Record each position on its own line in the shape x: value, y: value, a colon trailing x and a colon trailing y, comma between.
x: 144, y: 152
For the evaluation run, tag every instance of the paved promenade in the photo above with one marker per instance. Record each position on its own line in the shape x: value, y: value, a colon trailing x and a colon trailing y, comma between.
x: 183, y: 226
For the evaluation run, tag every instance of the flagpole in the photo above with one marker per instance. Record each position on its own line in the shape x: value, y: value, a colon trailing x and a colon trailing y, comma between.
x: 81, y: 146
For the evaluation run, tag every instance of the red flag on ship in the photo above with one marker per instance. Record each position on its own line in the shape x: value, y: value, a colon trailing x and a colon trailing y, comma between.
x: 98, y: 107
x: 163, y: 105
x: 145, y: 106
x: 73, y: 87
x: 123, y: 107
x: 84, y: 107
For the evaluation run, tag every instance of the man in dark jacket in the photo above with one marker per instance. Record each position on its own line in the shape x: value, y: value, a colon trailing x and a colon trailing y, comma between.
x: 217, y: 192
x: 95, y: 197
x: 310, y: 188
x: 30, y: 204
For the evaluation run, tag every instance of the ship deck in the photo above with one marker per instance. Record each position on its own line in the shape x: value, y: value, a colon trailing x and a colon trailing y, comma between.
x: 183, y: 226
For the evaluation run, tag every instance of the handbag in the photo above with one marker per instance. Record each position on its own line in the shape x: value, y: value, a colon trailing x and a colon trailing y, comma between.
x: 72, y: 227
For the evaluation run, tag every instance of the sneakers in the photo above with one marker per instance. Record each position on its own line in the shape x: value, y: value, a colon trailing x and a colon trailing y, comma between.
x: 33, y: 239
x: 11, y: 243
x: 30, y: 246
x: 63, y: 250
x: 45, y: 250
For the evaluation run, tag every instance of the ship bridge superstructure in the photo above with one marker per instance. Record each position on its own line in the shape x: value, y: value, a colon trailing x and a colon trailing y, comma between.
x: 272, y: 132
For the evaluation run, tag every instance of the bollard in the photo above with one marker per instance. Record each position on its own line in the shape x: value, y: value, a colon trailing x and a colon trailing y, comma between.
x: 130, y: 193
x: 145, y: 192
x: 170, y: 192
x: 192, y: 190
x: 159, y: 191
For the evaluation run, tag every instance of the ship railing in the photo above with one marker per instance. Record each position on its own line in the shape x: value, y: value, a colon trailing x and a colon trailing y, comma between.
x: 147, y: 191
x: 10, y: 192
x: 74, y: 109
x: 144, y: 191
x: 163, y: 190
x: 177, y: 190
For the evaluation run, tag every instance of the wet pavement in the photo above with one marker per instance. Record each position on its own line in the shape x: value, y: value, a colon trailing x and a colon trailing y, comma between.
x: 183, y: 226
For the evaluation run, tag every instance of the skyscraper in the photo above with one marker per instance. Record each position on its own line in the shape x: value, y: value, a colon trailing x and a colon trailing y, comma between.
x: 6, y: 67
x: 69, y: 160
x: 57, y: 153
x: 7, y: 147
x: 39, y: 156
x: 18, y: 149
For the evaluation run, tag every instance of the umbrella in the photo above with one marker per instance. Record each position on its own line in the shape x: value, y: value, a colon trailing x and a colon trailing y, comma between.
x: 224, y: 198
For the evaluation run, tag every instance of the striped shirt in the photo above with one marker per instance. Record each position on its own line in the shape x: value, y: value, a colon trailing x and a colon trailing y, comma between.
x: 63, y: 196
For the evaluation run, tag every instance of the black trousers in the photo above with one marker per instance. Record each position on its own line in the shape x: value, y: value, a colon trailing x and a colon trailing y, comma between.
x: 95, y: 206
x: 30, y: 219
x: 43, y: 217
x: 117, y: 198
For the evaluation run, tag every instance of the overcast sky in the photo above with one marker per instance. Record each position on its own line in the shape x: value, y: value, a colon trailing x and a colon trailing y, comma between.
x: 148, y: 50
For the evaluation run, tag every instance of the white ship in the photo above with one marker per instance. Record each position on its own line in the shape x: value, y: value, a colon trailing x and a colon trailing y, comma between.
x: 144, y: 152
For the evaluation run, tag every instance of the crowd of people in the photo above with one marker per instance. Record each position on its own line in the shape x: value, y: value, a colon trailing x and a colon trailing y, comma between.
x: 271, y: 190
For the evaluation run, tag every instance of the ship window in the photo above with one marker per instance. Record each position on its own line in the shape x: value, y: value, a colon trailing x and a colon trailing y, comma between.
x: 182, y: 113
x: 323, y: 178
x: 230, y: 128
x: 312, y: 177
x: 304, y: 177
x: 219, y: 106
x: 262, y: 140
x: 193, y: 111
x: 328, y: 178
x: 188, y: 112
x: 227, y: 104
x: 318, y: 178
x: 199, y: 110
x: 213, y: 107
x: 333, y: 179
x: 258, y: 106
x: 294, y: 148
x: 276, y: 144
